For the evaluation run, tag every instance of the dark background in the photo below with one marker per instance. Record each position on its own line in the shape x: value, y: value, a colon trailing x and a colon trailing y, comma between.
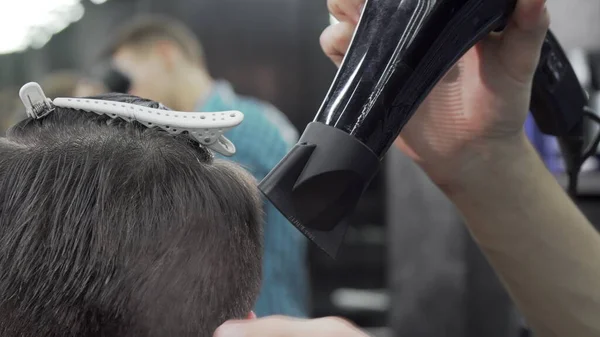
x: 436, y: 284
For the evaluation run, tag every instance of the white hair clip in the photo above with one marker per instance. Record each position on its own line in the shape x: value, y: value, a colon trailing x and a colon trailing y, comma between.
x: 206, y: 127
x: 37, y: 105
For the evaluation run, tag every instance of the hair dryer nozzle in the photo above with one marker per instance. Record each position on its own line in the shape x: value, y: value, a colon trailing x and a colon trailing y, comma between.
x: 320, y: 180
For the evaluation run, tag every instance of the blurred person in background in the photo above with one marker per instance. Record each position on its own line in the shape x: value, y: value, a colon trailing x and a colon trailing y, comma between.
x: 11, y: 109
x: 87, y: 86
x: 70, y: 83
x: 61, y: 83
x: 165, y: 62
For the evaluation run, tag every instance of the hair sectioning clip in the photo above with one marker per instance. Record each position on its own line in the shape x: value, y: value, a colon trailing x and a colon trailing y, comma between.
x: 205, y: 127
x: 37, y: 105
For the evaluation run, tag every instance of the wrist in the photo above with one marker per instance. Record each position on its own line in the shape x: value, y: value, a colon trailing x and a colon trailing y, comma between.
x: 498, y: 161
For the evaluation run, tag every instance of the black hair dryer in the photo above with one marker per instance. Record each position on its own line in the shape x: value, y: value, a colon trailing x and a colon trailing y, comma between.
x: 399, y: 52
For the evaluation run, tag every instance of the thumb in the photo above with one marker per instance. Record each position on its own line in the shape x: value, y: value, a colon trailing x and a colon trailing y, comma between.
x: 522, y: 39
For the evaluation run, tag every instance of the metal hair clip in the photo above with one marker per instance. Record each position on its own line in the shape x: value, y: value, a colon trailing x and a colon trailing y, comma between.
x: 36, y: 103
x: 205, y: 127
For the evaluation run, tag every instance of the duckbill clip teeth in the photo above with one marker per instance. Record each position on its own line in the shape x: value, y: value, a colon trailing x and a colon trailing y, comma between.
x: 36, y: 103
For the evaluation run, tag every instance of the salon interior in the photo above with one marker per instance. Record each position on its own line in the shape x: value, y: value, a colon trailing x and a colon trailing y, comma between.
x: 408, y: 267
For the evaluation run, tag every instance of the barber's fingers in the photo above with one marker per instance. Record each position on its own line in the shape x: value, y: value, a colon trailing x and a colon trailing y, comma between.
x: 336, y: 39
x: 276, y: 326
x: 520, y: 43
x: 279, y: 326
x: 346, y: 10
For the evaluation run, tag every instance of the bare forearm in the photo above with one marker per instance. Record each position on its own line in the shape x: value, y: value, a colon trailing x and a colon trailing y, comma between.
x: 544, y: 249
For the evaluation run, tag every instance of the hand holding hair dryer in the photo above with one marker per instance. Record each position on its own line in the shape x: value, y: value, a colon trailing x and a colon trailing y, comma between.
x: 400, y: 50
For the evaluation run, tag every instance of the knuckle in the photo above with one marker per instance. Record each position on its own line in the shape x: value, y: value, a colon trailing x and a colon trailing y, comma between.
x: 331, y: 39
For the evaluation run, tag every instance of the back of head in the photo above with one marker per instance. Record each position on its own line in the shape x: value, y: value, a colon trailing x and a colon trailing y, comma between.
x: 112, y: 229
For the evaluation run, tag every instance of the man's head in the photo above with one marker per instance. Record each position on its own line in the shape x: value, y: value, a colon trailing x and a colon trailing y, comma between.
x: 162, y: 58
x: 112, y: 229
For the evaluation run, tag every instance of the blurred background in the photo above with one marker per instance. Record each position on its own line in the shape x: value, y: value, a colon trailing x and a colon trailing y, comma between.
x: 409, y: 268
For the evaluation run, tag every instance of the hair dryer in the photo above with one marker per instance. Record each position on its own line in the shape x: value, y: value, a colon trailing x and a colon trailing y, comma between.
x: 399, y: 52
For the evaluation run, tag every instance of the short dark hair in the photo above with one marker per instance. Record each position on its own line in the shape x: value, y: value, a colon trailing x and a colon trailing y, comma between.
x: 112, y: 229
x: 146, y: 29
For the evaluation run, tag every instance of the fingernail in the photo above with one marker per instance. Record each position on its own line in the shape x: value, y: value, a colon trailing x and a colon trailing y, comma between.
x: 229, y: 330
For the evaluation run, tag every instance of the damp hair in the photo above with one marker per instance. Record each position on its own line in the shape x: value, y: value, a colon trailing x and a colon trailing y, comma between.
x: 112, y: 229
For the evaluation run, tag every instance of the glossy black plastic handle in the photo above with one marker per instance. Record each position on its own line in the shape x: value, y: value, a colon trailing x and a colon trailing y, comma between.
x: 400, y: 50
